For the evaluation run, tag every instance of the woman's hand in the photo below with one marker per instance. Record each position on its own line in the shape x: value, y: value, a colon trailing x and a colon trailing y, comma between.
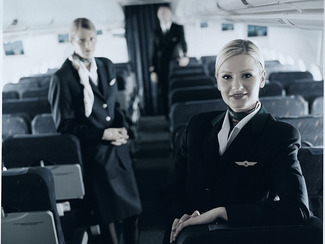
x: 154, y: 77
x: 117, y: 136
x: 195, y: 219
x: 183, y: 61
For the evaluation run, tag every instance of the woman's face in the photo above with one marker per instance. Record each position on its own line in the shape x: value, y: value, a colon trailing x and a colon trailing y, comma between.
x: 239, y: 80
x: 84, y: 42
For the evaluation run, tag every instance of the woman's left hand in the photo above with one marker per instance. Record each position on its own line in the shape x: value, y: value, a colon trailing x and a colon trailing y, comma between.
x: 195, y: 219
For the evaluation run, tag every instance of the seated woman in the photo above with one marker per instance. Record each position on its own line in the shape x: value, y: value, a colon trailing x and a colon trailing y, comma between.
x: 237, y: 166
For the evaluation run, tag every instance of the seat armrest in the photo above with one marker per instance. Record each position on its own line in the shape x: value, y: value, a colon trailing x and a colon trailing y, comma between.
x: 223, y: 233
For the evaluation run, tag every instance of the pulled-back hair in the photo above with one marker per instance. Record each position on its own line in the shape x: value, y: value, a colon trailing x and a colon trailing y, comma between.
x: 237, y: 47
x: 80, y: 23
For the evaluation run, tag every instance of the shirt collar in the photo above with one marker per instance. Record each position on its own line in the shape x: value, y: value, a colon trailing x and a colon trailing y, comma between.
x: 166, y: 27
x: 224, y: 137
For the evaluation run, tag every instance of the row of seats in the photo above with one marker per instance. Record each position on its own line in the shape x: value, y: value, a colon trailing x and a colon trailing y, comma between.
x: 271, y: 66
x: 43, y: 190
x: 305, y: 102
x: 192, y: 83
x: 36, y: 87
x: 278, y: 106
x: 309, y: 90
x: 31, y: 83
x: 13, y: 124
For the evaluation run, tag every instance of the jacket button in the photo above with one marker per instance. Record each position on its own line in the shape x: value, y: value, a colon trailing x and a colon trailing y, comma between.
x: 108, y: 118
x: 104, y: 105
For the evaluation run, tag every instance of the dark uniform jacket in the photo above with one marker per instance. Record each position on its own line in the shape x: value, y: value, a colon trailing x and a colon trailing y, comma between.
x: 108, y: 168
x: 166, y: 47
x: 258, y: 178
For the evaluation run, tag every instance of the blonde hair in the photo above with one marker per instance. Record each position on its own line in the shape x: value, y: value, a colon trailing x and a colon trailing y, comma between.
x: 81, y: 23
x: 237, y: 47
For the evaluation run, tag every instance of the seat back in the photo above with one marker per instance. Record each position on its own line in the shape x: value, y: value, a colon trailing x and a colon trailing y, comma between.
x: 194, y: 94
x: 187, y: 71
x: 35, y: 93
x: 287, y: 77
x: 286, y: 106
x: 29, y: 227
x: 29, y: 190
x: 174, y: 64
x: 181, y: 113
x: 316, y: 106
x: 191, y: 82
x: 31, y: 106
x: 272, y: 89
x: 8, y: 95
x: 43, y: 124
x: 307, y: 89
x: 208, y: 63
x: 29, y: 83
x: 14, y: 124
x: 310, y: 128
x: 311, y: 162
x: 60, y: 153
x: 50, y: 149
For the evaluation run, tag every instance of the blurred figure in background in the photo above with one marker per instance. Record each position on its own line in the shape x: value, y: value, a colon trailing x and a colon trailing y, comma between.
x: 168, y: 45
x: 83, y: 97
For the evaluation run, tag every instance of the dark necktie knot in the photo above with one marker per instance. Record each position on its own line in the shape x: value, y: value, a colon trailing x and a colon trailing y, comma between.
x: 236, y: 117
x: 85, y: 60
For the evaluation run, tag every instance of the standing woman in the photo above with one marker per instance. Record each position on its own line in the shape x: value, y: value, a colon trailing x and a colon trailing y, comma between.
x: 237, y: 166
x: 83, y: 97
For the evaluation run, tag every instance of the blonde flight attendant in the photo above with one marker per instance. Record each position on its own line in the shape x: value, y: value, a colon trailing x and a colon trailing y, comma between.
x: 83, y: 97
x: 237, y: 166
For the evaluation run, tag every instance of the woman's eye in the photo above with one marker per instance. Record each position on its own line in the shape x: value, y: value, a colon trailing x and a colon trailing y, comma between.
x: 226, y: 77
x: 247, y: 76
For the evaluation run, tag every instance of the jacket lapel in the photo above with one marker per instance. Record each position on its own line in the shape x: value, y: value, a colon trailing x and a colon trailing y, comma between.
x: 211, y: 144
x: 73, y: 75
x: 102, y: 77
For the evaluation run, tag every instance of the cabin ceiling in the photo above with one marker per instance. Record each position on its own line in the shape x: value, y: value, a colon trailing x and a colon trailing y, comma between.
x: 138, y: 2
x: 34, y: 15
x: 307, y: 14
x: 22, y: 15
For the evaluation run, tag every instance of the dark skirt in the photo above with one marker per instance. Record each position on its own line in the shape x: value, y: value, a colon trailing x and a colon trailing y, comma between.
x: 112, y: 188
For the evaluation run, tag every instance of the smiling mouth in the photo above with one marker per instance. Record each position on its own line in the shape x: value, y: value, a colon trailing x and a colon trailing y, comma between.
x: 238, y: 95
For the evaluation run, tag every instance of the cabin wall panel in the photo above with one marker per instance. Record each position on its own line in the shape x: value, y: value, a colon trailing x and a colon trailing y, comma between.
x: 298, y: 47
x: 43, y: 51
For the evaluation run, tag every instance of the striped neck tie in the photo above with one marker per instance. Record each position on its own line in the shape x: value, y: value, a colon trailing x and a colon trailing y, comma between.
x: 236, y: 117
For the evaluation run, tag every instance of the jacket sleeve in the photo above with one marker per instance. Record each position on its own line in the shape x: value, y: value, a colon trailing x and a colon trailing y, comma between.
x: 153, y: 61
x: 287, y: 202
x: 119, y: 116
x: 173, y: 196
x: 64, y: 113
x: 182, y: 40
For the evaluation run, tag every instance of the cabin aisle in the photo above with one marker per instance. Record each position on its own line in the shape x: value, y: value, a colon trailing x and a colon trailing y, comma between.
x: 152, y: 160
